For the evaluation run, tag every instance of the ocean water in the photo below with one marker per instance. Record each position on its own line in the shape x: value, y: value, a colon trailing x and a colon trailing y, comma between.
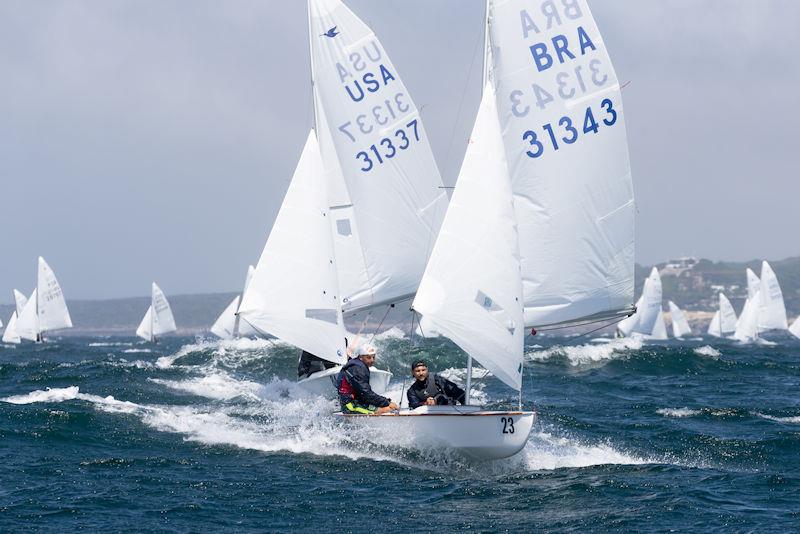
x: 194, y: 435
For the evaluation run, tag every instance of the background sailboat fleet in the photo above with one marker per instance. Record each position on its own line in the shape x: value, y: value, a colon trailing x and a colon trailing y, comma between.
x: 764, y: 310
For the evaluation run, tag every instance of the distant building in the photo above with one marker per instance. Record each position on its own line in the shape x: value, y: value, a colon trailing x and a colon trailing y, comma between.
x: 678, y: 266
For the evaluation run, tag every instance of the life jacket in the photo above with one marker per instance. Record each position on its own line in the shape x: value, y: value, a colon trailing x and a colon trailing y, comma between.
x: 431, y: 389
x: 344, y: 388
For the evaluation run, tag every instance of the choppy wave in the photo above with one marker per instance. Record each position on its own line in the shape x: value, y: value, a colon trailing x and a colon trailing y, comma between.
x: 707, y: 350
x: 588, y: 354
x: 791, y: 419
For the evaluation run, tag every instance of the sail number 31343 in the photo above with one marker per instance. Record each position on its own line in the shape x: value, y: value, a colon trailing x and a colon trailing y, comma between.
x: 388, y: 147
x: 567, y: 132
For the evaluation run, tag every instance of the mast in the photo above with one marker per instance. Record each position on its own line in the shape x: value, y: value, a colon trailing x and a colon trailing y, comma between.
x: 152, y: 317
x: 311, y: 69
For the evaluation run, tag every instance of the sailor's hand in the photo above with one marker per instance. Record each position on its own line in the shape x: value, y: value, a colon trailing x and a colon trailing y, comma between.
x: 430, y: 401
x: 392, y: 406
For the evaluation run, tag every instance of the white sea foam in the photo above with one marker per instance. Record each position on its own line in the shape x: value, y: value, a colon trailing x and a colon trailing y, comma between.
x: 110, y: 344
x: 545, y: 451
x: 792, y: 419
x: 109, y: 403
x: 677, y: 412
x: 133, y: 351
x: 241, y: 350
x: 218, y: 385
x: 707, y: 350
x: 587, y: 354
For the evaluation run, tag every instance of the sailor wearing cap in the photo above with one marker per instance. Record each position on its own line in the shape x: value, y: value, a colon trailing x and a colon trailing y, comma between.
x: 355, y: 393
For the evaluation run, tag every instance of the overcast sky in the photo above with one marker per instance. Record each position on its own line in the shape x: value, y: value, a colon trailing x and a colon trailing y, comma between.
x: 154, y: 139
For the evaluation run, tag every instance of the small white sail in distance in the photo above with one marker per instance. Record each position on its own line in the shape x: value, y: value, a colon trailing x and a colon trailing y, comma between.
x: 471, y: 291
x: 294, y: 292
x: 747, y: 326
x: 28, y: 322
x: 574, y: 203
x: 228, y: 325
x: 724, y: 321
x: 659, y: 328
x: 159, y: 319
x: 772, y: 310
x: 680, y: 326
x: 10, y: 335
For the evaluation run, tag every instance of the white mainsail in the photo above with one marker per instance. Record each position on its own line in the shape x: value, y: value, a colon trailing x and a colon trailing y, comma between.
x: 52, y: 307
x: 795, y: 328
x: 564, y: 129
x: 724, y: 320
x: 294, y: 292
x: 159, y: 319
x: 471, y: 291
x: 386, y: 198
x: 747, y: 326
x: 772, y: 311
x: 680, y: 326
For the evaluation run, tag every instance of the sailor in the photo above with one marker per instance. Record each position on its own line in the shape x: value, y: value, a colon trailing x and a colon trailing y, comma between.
x: 431, y: 389
x: 355, y: 393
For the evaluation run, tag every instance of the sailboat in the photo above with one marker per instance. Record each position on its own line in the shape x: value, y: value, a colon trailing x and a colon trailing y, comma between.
x: 158, y: 320
x: 229, y: 325
x: 772, y: 310
x: 10, y: 335
x: 46, y: 308
x: 648, y: 321
x: 368, y: 170
x: 539, y: 230
x: 724, y: 321
x: 680, y: 326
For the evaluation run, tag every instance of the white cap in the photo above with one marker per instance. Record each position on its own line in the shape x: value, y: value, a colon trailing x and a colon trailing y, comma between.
x: 366, y: 350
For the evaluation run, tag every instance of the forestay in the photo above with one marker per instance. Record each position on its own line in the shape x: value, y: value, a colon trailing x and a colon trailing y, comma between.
x: 294, y: 292
x: 772, y: 311
x: 562, y: 119
x: 471, y: 290
x: 390, y: 209
x: 52, y: 308
x: 680, y: 326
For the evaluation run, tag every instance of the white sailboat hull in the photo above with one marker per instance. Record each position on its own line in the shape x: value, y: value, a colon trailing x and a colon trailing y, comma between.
x: 324, y: 382
x: 466, y: 430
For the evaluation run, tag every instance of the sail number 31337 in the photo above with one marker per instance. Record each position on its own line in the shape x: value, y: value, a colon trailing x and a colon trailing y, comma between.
x: 388, y: 147
x: 566, y: 132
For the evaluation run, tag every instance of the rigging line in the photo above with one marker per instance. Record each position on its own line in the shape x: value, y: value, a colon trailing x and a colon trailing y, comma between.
x: 582, y: 324
x: 388, y: 309
x: 616, y: 321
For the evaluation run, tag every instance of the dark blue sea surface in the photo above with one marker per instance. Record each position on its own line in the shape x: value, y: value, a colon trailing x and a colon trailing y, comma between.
x: 194, y: 435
